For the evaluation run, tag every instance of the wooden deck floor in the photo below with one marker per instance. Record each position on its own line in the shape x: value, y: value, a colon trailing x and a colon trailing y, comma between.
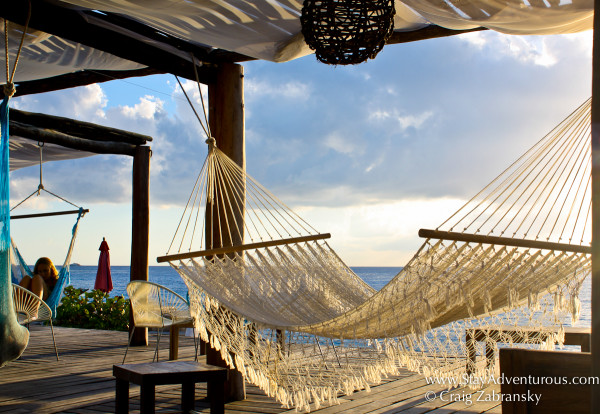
x: 82, y: 382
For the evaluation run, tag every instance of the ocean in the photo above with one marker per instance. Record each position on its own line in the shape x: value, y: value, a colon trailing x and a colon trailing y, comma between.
x: 84, y: 277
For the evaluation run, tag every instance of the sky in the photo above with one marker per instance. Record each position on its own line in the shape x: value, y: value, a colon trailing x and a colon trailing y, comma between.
x: 369, y: 153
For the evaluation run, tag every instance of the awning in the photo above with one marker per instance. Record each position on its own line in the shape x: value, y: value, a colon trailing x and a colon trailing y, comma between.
x: 268, y: 30
x: 26, y: 153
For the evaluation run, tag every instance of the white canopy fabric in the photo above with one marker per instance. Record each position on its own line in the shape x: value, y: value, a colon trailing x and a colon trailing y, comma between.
x: 44, y: 55
x: 517, y: 17
x: 26, y: 153
x: 267, y: 29
x: 270, y: 30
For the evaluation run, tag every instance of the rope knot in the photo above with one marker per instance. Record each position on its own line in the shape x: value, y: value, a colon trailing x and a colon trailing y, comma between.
x: 9, y: 89
x: 211, y: 142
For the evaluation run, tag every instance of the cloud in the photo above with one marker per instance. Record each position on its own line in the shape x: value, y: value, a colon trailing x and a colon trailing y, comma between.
x: 543, y: 51
x: 423, y: 121
x: 259, y: 87
x: 145, y: 109
x: 375, y: 233
x: 430, y: 119
x: 107, y: 178
x: 528, y: 50
x: 380, y: 115
x: 83, y: 103
x: 403, y: 121
x: 414, y: 121
x: 341, y: 143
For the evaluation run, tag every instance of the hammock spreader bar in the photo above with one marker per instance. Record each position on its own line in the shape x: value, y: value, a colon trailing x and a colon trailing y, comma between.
x: 233, y: 249
x: 504, y: 241
x: 55, y: 213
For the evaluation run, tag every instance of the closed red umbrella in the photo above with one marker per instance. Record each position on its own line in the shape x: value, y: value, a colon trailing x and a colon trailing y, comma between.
x: 103, y: 278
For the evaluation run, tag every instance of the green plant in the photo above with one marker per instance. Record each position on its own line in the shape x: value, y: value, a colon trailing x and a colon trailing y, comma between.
x: 92, y: 310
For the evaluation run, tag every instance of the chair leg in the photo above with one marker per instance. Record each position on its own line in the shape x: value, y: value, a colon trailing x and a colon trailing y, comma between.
x: 196, y: 345
x: 128, y: 343
x: 159, y: 334
x: 54, y: 340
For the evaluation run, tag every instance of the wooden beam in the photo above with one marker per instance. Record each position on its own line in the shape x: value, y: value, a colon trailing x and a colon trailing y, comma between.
x: 226, y: 120
x: 80, y: 78
x: 429, y: 32
x: 240, y: 248
x: 140, y: 228
x: 58, y: 138
x: 76, y: 128
x: 226, y: 112
x: 595, y: 312
x: 503, y: 241
x: 54, y: 213
x: 78, y: 26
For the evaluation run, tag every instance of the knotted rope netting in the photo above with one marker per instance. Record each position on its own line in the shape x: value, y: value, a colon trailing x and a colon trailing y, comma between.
x: 281, y: 306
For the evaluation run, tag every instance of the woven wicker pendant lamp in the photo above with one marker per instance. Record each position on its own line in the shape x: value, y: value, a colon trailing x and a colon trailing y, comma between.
x: 346, y: 32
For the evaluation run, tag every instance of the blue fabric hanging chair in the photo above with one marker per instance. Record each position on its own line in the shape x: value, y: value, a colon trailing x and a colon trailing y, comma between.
x: 19, y: 268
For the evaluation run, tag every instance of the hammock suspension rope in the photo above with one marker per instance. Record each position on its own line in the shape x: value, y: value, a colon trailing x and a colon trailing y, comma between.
x: 38, y: 191
x: 256, y: 272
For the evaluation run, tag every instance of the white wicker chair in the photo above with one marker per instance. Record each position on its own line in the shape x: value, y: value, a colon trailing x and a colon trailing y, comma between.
x: 155, y: 306
x: 31, y: 308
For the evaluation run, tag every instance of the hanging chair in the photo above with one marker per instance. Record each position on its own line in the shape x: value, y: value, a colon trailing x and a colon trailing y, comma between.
x: 19, y: 268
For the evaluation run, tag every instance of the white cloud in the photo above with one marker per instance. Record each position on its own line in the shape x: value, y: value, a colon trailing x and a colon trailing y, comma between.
x: 390, y: 90
x: 379, y: 115
x: 22, y: 187
x: 403, y: 121
x: 323, y: 136
x: 415, y: 121
x: 382, y: 233
x: 524, y: 49
x: 373, y: 165
x: 91, y: 98
x: 257, y: 87
x: 543, y: 51
x: 340, y: 143
x: 145, y: 109
x: 529, y: 50
x: 476, y: 39
x: 193, y: 93
x: 85, y: 103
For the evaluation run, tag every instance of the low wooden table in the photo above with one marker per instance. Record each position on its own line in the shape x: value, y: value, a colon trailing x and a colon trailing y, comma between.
x: 573, y: 336
x: 186, y: 373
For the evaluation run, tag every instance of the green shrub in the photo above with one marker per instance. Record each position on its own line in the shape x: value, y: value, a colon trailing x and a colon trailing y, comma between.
x: 92, y: 310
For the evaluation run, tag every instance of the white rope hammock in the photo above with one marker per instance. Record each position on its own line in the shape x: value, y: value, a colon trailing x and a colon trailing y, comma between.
x: 270, y: 294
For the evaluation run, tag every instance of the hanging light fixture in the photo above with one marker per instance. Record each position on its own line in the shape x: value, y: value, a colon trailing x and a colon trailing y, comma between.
x: 345, y: 32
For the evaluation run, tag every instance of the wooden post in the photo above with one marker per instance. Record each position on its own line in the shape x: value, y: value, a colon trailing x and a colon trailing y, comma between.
x: 596, y: 210
x: 140, y: 228
x: 226, y: 120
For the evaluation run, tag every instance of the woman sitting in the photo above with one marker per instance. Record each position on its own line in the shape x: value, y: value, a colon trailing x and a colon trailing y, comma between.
x: 44, y: 278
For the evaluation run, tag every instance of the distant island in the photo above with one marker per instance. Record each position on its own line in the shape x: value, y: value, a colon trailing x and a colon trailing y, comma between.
x: 75, y: 264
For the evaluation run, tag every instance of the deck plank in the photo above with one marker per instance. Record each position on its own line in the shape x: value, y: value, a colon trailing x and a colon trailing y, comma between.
x: 81, y: 382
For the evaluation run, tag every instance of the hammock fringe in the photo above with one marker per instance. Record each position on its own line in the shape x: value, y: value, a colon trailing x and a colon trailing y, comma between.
x: 303, y: 327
